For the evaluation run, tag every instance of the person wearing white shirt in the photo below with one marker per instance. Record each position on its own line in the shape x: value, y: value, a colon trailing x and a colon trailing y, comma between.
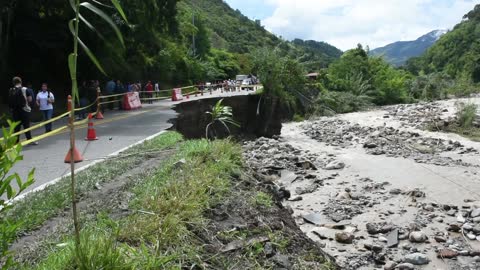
x: 45, y: 100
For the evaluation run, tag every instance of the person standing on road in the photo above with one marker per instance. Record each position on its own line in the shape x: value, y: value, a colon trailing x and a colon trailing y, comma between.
x: 45, y: 100
x: 149, y: 89
x: 18, y: 100
x: 157, y: 90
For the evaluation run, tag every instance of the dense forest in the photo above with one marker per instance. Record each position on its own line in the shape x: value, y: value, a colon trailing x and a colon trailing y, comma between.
x: 159, y: 43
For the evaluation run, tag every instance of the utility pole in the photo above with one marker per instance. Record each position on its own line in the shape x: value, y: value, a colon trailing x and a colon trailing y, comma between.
x: 193, y: 36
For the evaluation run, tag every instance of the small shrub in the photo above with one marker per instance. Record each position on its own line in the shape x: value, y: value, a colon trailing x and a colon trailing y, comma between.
x: 263, y: 199
x: 466, y: 115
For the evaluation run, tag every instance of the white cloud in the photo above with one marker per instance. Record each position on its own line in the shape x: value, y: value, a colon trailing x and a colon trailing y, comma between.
x: 344, y: 23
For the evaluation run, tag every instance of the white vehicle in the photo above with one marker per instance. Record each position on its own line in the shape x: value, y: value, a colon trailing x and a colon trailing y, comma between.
x: 243, y: 80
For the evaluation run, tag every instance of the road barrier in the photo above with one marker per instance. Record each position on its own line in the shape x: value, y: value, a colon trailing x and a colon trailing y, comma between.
x: 130, y: 101
x: 77, y: 157
x: 91, y: 133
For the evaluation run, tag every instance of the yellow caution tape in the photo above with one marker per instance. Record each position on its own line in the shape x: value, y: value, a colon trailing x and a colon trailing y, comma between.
x: 40, y: 124
x: 108, y: 102
x: 46, y: 135
x: 84, y: 108
x: 110, y: 96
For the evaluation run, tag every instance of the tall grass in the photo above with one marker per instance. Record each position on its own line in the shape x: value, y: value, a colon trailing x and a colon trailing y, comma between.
x: 168, y: 212
x: 466, y: 115
x: 38, y: 207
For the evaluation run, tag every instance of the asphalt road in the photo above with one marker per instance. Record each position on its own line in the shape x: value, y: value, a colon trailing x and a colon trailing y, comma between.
x: 119, y: 130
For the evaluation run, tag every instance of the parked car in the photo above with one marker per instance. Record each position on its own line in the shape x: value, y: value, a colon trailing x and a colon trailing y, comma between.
x: 243, y: 80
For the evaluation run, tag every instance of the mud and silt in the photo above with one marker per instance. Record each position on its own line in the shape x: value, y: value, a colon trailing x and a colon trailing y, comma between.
x: 376, y: 191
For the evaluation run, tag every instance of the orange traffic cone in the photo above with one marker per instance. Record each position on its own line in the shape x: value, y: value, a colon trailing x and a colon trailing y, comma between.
x: 99, y: 115
x: 91, y: 134
x: 77, y: 157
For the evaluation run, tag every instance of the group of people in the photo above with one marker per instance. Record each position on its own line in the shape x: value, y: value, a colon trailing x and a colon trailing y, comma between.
x: 21, y: 102
x: 117, y: 87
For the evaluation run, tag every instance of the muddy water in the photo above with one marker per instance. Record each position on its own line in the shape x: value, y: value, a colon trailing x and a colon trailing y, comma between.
x: 450, y: 185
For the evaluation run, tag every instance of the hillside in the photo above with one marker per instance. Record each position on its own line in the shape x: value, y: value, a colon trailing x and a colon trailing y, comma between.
x: 457, y: 53
x: 236, y: 33
x: 230, y: 29
x: 158, y: 46
x: 399, y: 52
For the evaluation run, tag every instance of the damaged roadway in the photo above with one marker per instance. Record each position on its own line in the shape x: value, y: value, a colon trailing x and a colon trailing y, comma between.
x: 377, y: 190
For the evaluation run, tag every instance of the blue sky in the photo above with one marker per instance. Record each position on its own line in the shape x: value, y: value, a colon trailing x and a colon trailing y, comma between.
x: 254, y: 9
x: 345, y: 23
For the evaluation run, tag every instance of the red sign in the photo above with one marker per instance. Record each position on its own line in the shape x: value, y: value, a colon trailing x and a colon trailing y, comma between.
x: 177, y: 94
x: 131, y: 101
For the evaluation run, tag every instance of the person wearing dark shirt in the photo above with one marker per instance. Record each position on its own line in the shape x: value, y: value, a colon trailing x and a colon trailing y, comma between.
x: 149, y: 89
x: 20, y: 108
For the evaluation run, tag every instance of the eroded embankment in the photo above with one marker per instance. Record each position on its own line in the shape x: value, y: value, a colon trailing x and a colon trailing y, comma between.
x: 257, y: 116
x: 377, y: 192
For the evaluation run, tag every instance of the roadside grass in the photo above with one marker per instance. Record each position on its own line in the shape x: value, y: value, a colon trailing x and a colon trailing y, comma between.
x: 262, y: 199
x: 471, y: 133
x: 168, y: 211
x: 178, y: 196
x: 36, y: 208
x: 171, y: 222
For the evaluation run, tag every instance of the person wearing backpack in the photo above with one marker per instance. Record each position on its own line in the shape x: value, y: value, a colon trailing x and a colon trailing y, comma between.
x: 18, y: 100
x: 45, y: 100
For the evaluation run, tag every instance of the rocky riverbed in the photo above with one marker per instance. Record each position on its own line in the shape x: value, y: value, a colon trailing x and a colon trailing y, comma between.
x: 376, y: 190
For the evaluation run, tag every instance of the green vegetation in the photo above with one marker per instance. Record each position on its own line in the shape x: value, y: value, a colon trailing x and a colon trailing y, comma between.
x: 262, y: 199
x: 456, y: 54
x: 38, y: 207
x: 467, y: 115
x: 179, y: 216
x: 158, y: 43
x: 357, y: 81
x: 10, y: 153
x: 282, y: 77
x: 222, y: 115
x: 167, y: 206
x: 465, y: 124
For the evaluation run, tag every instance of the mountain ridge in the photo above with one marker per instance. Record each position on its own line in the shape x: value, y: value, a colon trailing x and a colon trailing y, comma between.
x: 398, y: 53
x: 233, y: 31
